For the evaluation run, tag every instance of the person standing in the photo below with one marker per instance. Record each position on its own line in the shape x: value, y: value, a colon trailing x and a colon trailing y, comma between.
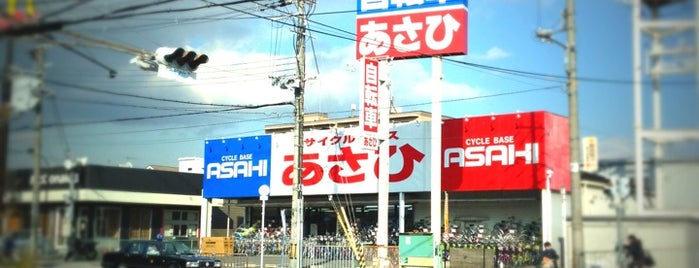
x: 9, y: 247
x: 634, y: 251
x: 549, y: 257
x: 159, y: 237
x: 72, y: 244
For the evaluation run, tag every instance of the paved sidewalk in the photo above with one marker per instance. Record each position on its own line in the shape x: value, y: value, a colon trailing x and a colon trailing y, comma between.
x: 52, y: 260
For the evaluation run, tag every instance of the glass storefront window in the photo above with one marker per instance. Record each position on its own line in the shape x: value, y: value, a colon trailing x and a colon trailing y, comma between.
x: 107, y: 222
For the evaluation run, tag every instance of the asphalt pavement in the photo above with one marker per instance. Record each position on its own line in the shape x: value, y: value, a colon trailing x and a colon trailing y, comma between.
x: 271, y: 261
x: 68, y: 264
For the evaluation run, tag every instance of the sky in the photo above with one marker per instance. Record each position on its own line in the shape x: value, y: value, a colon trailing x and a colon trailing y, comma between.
x: 141, y: 119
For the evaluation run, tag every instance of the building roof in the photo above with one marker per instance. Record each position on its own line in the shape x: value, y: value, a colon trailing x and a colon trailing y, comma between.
x: 162, y: 168
x: 319, y: 121
x: 97, y: 177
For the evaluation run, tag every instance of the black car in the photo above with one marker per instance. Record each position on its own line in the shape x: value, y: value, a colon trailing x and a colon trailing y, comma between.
x: 146, y: 253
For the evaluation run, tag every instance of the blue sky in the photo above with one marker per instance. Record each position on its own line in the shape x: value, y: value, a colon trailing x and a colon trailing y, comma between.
x: 246, y: 50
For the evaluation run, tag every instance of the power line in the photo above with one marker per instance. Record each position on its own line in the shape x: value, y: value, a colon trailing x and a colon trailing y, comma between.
x: 112, y: 15
x: 161, y: 23
x: 168, y: 22
x: 109, y: 103
x: 347, y: 36
x: 352, y: 37
x: 48, y: 26
x: 253, y: 119
x: 156, y: 116
x: 61, y: 129
x: 64, y: 9
x: 90, y: 89
x: 534, y: 75
x: 256, y: 119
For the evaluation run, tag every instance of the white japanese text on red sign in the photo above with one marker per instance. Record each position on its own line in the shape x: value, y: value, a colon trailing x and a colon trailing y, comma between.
x: 412, y: 35
x: 371, y: 96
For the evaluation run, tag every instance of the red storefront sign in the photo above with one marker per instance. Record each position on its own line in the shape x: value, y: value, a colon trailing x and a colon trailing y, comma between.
x: 413, y: 34
x: 505, y: 152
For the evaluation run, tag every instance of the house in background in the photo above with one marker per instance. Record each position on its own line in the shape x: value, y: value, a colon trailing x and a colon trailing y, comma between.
x: 107, y: 204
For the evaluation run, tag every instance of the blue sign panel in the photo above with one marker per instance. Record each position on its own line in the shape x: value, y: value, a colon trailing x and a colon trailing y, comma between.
x: 381, y: 6
x: 236, y: 167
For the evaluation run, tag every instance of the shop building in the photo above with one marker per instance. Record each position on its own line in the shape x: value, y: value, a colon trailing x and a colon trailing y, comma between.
x: 106, y: 204
x: 498, y: 169
x: 109, y: 204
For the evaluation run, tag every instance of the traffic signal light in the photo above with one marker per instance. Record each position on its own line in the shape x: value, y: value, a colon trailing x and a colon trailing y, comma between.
x: 180, y: 58
x: 624, y: 187
x: 618, y: 186
x: 610, y: 188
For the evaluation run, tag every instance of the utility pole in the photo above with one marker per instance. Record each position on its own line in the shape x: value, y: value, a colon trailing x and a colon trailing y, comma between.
x: 38, y: 55
x: 5, y: 128
x: 619, y: 209
x: 576, y: 181
x: 436, y: 160
x: 297, y: 187
x: 578, y: 259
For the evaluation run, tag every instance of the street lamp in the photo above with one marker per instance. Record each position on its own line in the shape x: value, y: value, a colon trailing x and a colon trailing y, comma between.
x: 546, y: 35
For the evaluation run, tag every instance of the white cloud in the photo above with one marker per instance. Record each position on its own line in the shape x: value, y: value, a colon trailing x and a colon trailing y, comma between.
x: 412, y: 81
x: 240, y: 78
x: 336, y: 84
x: 494, y: 53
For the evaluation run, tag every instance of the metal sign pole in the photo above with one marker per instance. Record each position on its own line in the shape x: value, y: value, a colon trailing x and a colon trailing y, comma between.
x: 436, y: 159
x: 264, y: 196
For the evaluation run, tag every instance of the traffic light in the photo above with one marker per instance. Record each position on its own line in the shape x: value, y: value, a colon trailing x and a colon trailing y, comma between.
x: 610, y: 189
x: 618, y: 186
x: 624, y: 187
x: 180, y: 58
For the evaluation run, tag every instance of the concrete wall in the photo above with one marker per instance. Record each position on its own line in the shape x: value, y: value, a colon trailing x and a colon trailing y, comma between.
x: 680, y: 182
x: 672, y: 240
x: 672, y: 243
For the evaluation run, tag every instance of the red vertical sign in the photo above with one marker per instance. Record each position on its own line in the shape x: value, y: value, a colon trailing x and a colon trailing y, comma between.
x: 369, y: 101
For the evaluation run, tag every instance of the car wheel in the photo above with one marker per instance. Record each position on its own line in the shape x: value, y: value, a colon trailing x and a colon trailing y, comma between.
x: 173, y: 265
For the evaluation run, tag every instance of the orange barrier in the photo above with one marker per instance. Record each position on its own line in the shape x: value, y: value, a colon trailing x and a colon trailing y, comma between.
x: 220, y: 246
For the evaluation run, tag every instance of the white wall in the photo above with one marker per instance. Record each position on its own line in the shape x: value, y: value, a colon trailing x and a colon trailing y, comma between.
x: 672, y: 240
x: 679, y: 187
x: 671, y: 243
x: 191, y: 165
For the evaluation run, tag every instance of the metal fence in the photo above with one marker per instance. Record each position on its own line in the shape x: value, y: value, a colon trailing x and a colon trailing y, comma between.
x: 335, y: 254
x: 600, y: 259
x: 372, y: 257
x: 235, y: 261
x: 492, y: 256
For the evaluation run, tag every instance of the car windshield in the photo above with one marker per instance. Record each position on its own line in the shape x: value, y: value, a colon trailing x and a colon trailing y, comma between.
x: 176, y: 248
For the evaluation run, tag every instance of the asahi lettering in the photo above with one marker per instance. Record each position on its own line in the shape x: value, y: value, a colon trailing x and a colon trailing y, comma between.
x: 237, y: 169
x: 487, y: 155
